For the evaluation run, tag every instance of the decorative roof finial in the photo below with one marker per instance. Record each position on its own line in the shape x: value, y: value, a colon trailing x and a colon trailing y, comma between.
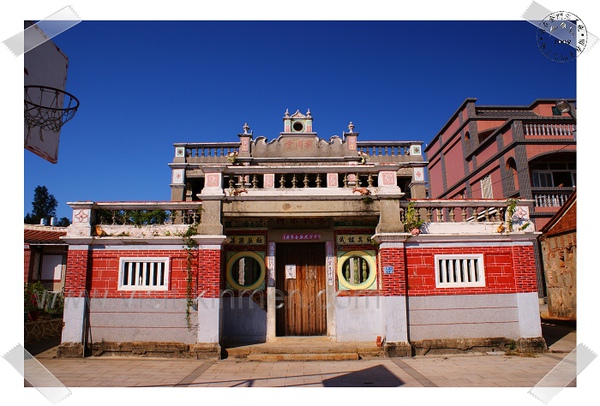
x: 287, y: 113
x: 351, y: 127
x: 308, y: 113
x: 246, y: 127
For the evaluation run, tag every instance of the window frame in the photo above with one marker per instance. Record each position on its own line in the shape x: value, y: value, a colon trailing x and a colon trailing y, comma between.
x: 141, y: 260
x: 486, y: 185
x: 245, y: 254
x: 480, y: 264
x: 370, y: 283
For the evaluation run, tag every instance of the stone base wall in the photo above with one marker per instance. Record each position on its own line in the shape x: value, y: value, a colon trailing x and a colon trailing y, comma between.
x: 560, y: 265
x: 42, y: 329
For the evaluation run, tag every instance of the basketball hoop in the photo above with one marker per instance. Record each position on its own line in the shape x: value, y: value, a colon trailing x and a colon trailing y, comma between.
x: 48, y: 108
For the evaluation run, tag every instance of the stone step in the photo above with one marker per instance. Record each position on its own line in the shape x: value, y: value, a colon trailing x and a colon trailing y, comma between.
x: 309, y: 349
x: 341, y: 356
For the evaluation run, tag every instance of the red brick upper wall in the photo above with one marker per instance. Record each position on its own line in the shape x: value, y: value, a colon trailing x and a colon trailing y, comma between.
x: 567, y: 223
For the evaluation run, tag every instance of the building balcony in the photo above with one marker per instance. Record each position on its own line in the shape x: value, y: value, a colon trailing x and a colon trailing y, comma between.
x: 549, y: 130
x: 550, y: 197
x: 169, y: 223
x: 470, y: 217
x: 227, y: 153
x: 132, y: 221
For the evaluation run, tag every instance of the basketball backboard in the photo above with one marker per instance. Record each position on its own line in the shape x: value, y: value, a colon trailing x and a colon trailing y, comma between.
x: 45, y: 82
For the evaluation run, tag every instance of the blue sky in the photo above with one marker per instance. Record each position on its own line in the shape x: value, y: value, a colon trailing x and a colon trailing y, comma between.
x: 144, y: 85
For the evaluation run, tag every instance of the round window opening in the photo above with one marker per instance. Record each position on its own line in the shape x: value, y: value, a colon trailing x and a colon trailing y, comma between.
x: 245, y: 271
x: 298, y: 126
x: 357, y: 271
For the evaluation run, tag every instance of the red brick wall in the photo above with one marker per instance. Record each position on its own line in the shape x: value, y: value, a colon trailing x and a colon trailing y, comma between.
x: 525, y: 270
x: 487, y: 153
x: 507, y: 270
x: 537, y: 149
x: 393, y: 284
x: 451, y: 130
x: 209, y: 271
x: 486, y: 125
x: 454, y: 158
x: 436, y: 181
x: 104, y: 273
x: 567, y: 223
x: 76, y: 277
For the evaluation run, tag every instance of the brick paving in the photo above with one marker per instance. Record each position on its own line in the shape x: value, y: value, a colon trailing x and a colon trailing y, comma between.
x: 421, y: 371
x: 469, y: 370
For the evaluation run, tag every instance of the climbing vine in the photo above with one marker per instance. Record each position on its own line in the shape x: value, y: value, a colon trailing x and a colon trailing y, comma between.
x: 190, y: 247
x: 511, y: 209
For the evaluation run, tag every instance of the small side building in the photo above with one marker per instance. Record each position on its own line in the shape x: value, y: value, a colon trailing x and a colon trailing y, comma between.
x: 45, y: 256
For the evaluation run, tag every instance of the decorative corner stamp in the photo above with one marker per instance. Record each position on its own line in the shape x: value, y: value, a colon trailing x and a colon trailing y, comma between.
x: 562, y: 36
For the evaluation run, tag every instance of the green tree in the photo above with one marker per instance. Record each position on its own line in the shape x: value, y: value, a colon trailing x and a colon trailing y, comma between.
x: 44, y: 207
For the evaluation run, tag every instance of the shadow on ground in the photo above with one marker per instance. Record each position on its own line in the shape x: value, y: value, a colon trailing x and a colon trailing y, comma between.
x: 377, y: 376
x: 553, y: 331
x: 42, y: 346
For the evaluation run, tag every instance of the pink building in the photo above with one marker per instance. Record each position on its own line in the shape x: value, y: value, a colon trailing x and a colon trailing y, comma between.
x: 499, y: 152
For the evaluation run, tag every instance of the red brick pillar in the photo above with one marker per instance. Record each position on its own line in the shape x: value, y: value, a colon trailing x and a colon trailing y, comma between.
x: 525, y: 268
x: 394, y: 291
x: 530, y: 328
x: 79, y: 237
x: 77, y: 271
x: 209, y: 273
x: 393, y: 269
x: 208, y: 278
x: 74, y: 316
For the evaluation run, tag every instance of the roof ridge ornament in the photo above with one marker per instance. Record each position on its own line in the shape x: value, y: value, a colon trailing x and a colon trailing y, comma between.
x: 351, y: 127
x: 246, y: 127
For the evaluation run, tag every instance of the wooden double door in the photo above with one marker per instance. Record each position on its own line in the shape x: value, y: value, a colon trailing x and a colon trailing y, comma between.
x: 301, y: 300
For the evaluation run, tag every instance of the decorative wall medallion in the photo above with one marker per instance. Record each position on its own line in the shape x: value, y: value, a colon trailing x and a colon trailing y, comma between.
x: 389, y: 178
x: 213, y: 180
x: 82, y: 216
x: 269, y: 180
x: 245, y: 144
x: 178, y: 176
x: 418, y: 174
x: 332, y: 180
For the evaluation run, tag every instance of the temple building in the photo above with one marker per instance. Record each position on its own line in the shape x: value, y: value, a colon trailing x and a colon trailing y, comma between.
x: 300, y: 236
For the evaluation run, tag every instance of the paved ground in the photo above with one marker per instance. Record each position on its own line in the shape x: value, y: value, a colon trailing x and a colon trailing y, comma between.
x: 481, y: 370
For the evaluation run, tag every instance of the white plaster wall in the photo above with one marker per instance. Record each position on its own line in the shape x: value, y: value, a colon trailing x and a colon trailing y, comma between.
x: 530, y: 325
x: 209, y: 313
x: 468, y: 316
x: 396, y: 326
x: 73, y: 319
x: 145, y: 320
x: 359, y: 318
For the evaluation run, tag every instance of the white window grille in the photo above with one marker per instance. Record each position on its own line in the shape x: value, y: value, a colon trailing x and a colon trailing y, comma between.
x: 144, y: 274
x: 457, y: 271
x: 486, y: 187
